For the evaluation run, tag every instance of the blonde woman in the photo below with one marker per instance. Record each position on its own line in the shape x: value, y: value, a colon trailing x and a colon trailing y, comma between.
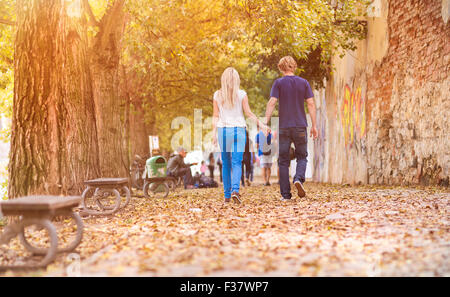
x: 230, y: 105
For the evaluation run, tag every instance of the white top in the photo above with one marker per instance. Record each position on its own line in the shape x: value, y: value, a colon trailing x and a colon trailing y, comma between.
x: 233, y: 117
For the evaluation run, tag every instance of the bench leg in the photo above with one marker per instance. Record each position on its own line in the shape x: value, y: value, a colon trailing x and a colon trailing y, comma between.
x: 52, y: 250
x: 128, y: 194
x: 106, y: 210
x: 24, y: 241
x: 99, y: 193
x: 85, y: 196
x: 172, y: 184
x: 147, y: 189
x: 78, y: 237
x: 49, y: 253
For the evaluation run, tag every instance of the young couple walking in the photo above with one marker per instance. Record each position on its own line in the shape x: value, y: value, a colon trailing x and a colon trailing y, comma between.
x: 229, y: 126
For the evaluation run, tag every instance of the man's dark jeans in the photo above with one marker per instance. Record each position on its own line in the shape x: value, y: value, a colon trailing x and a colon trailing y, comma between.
x: 299, y: 137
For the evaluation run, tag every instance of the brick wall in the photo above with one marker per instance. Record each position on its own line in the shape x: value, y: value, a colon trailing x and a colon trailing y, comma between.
x: 409, y: 98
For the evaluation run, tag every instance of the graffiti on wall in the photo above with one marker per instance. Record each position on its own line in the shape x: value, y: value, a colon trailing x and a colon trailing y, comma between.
x: 352, y: 113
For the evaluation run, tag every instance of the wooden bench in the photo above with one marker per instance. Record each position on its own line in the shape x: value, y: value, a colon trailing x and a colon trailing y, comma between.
x: 39, y: 211
x: 101, y: 188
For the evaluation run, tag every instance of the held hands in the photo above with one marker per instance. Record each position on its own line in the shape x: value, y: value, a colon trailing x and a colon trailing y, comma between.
x: 266, y: 130
x: 314, y: 133
x: 263, y: 125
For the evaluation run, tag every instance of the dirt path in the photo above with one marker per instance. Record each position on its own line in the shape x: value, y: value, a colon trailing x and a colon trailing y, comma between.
x: 337, y: 231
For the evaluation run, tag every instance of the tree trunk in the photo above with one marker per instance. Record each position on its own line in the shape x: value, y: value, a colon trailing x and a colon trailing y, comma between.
x: 109, y: 106
x: 125, y: 93
x: 138, y: 128
x: 53, y: 141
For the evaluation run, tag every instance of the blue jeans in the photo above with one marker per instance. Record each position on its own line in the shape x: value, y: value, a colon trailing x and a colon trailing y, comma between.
x: 299, y: 137
x: 232, y: 145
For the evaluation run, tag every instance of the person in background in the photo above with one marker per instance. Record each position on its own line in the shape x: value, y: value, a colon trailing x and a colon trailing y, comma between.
x: 219, y: 163
x: 177, y: 168
x: 275, y: 155
x: 203, y: 168
x: 252, y: 166
x: 264, y: 147
x: 211, y: 165
x: 246, y: 162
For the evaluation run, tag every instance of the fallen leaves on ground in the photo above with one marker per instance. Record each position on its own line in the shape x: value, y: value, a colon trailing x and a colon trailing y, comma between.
x: 336, y: 231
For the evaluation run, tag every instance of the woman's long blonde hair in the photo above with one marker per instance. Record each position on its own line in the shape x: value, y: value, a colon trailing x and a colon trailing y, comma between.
x: 228, y: 94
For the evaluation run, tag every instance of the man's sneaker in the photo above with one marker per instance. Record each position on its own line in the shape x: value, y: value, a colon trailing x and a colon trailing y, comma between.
x: 227, y: 200
x: 236, y: 197
x: 286, y: 199
x: 300, y: 190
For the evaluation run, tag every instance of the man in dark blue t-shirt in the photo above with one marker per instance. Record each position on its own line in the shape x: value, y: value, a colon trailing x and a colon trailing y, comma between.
x: 292, y: 92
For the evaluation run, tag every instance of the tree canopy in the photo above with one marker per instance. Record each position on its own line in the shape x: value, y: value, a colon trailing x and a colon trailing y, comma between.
x: 178, y: 49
